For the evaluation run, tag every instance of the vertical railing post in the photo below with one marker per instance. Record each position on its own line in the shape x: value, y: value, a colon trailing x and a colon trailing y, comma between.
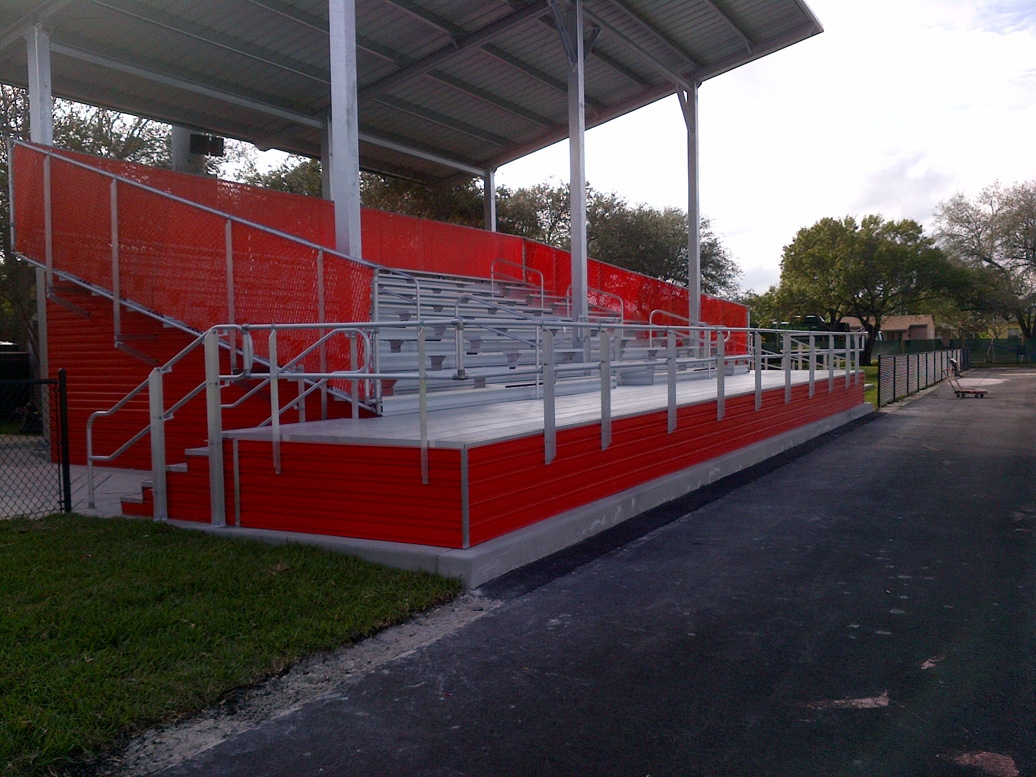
x: 422, y: 400
x: 830, y: 363
x: 758, y: 343
x: 721, y: 376
x: 217, y: 501
x: 228, y: 240
x: 858, y: 344
x: 458, y: 338
x: 786, y: 365
x: 354, y: 360
x: 156, y: 409
x: 606, y: 389
x: 116, y: 285
x: 550, y: 442
x: 321, y: 333
x: 48, y: 221
x: 670, y: 359
x: 275, y: 402
x: 812, y: 364
x: 66, y: 468
x: 848, y: 361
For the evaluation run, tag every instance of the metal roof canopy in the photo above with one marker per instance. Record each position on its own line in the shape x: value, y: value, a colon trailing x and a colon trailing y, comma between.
x: 423, y: 89
x: 444, y: 86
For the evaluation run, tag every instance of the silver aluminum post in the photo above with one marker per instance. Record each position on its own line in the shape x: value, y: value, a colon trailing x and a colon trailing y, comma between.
x: 670, y: 358
x: 354, y: 356
x: 322, y: 333
x: 422, y: 397
x: 721, y: 375
x: 458, y: 337
x: 786, y: 364
x: 156, y: 406
x: 116, y: 289
x: 848, y: 361
x: 228, y: 230
x: 812, y: 364
x: 275, y: 403
x: 758, y: 370
x: 550, y: 442
x: 830, y: 362
x: 217, y: 501
x: 48, y: 222
x: 606, y: 390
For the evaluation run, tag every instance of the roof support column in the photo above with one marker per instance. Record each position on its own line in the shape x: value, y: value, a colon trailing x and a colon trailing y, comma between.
x: 489, y: 198
x: 41, y: 104
x: 570, y: 26
x: 344, y: 127
x: 689, y: 104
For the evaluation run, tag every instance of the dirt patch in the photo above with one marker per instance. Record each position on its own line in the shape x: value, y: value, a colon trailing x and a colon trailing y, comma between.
x: 312, y: 678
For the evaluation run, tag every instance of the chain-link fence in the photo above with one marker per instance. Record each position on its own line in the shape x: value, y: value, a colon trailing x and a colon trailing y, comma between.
x: 899, y: 376
x: 34, y: 471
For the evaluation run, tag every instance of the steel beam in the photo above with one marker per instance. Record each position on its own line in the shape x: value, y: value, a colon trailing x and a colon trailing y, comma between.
x: 689, y: 104
x: 489, y: 199
x: 570, y: 27
x: 206, y: 36
x: 344, y: 127
x: 41, y: 101
x: 187, y: 85
x: 456, y: 48
x: 20, y: 28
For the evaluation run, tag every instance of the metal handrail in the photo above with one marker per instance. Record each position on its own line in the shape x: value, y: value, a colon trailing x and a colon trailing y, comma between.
x: 90, y: 458
x: 591, y: 290
x: 55, y: 153
x: 523, y: 268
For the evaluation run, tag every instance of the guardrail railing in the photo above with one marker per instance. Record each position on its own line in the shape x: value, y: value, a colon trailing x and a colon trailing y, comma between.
x: 825, y: 356
x: 905, y: 374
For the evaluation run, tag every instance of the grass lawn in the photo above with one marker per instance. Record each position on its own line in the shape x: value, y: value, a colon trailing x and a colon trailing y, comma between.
x: 108, y: 626
x: 870, y: 373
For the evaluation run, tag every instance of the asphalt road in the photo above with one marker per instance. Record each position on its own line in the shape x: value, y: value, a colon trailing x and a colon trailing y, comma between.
x: 864, y: 605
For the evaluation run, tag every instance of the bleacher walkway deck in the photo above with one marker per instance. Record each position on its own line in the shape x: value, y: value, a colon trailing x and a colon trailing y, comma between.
x: 502, y: 421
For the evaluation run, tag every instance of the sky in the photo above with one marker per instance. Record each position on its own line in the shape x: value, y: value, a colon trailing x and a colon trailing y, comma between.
x: 897, y: 106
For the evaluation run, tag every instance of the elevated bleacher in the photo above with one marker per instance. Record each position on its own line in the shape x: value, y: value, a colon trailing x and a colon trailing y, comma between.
x: 435, y: 393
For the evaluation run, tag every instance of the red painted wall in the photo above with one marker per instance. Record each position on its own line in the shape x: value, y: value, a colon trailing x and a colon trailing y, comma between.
x: 174, y: 255
x: 512, y: 487
x: 375, y: 492
x: 99, y: 375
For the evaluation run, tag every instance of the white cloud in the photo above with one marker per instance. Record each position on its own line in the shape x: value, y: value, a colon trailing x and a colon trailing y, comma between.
x: 898, y: 105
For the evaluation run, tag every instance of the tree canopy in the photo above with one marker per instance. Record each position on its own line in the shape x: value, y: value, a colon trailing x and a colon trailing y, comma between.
x: 645, y: 239
x: 871, y: 269
x: 994, y: 234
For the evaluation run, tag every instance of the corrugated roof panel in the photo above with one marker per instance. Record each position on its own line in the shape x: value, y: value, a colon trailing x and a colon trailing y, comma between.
x: 382, y: 121
x: 768, y: 20
x: 388, y: 26
x: 632, y: 28
x: 489, y: 76
x: 269, y: 59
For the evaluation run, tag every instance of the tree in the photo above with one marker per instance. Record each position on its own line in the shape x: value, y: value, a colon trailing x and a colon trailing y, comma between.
x: 647, y: 240
x: 996, y: 233
x: 17, y: 304
x: 295, y: 175
x: 870, y: 270
x: 653, y: 241
x: 539, y: 213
